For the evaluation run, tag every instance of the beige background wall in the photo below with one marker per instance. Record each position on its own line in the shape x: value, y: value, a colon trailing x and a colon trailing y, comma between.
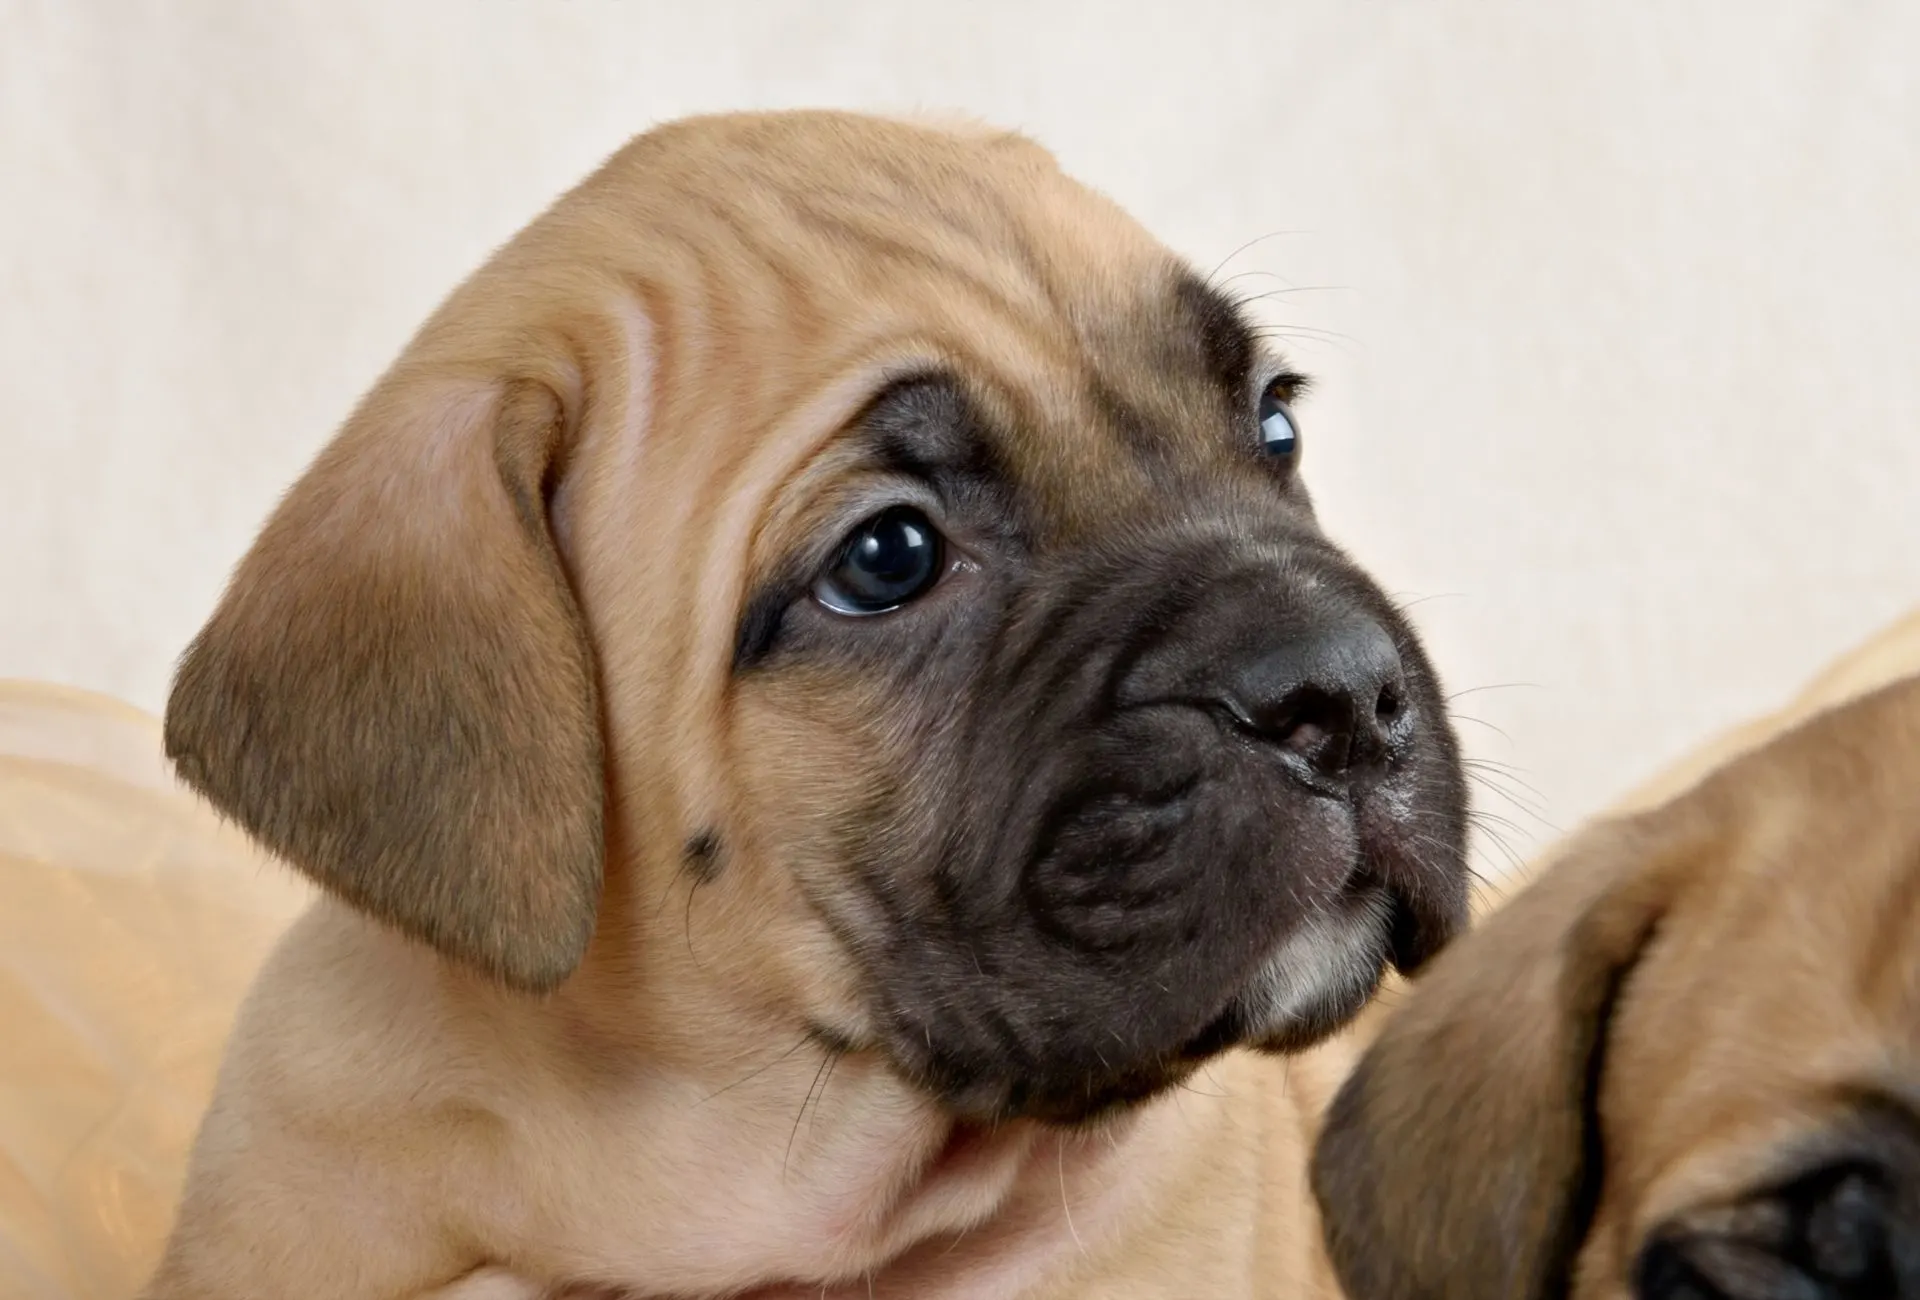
x: 1615, y: 307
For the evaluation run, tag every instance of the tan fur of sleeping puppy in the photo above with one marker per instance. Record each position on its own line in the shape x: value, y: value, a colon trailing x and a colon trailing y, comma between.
x: 825, y: 718
x: 1686, y: 1062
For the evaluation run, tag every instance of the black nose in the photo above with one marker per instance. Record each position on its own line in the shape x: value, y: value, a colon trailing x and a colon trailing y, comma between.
x: 1335, y: 696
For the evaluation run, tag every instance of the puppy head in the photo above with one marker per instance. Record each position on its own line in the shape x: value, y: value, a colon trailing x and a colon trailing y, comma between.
x: 1685, y: 1063
x: 876, y: 532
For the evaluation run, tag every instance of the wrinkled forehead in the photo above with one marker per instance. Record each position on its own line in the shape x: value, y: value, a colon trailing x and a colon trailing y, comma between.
x: 814, y: 243
x: 1122, y: 414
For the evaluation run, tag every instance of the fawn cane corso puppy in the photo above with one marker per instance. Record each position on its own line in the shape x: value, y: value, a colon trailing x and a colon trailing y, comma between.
x: 818, y: 701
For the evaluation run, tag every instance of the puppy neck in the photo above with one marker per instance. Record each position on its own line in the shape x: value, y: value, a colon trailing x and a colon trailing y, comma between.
x: 767, y: 1165
x: 734, y: 1152
x: 776, y: 1167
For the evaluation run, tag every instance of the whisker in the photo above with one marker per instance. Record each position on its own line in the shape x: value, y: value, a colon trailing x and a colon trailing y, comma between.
x: 1247, y: 300
x: 1481, y: 722
x: 1488, y: 782
x: 666, y: 892
x: 754, y: 1074
x: 1060, y: 1165
x: 1510, y: 770
x: 693, y: 887
x: 1508, y: 774
x: 1185, y: 1086
x: 1310, y: 333
x: 1443, y: 849
x: 1493, y: 827
x: 804, y: 1102
x: 1226, y: 280
x: 1405, y: 603
x: 1514, y: 860
x: 1535, y: 814
x: 1500, y: 763
x: 1501, y: 891
x: 833, y: 1063
x: 1495, y: 686
x: 1259, y: 239
x: 1481, y: 819
x: 1533, y: 805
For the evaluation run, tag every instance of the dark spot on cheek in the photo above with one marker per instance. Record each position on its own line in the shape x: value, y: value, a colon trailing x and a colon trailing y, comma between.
x: 702, y: 856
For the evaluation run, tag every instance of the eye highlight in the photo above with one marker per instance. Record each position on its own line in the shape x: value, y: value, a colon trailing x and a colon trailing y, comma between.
x: 891, y: 559
x: 1279, y: 431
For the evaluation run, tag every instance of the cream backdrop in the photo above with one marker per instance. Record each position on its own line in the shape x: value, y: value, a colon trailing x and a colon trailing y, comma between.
x: 1615, y: 308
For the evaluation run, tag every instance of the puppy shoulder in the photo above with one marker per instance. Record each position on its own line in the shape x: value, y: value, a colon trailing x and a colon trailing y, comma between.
x: 343, y: 1118
x: 343, y: 1013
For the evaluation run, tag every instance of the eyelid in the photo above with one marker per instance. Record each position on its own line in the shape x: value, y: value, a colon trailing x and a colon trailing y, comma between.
x: 1295, y: 384
x: 869, y: 495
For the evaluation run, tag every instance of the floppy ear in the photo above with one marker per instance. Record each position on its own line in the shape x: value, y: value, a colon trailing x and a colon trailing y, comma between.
x: 1460, y: 1159
x: 396, y: 692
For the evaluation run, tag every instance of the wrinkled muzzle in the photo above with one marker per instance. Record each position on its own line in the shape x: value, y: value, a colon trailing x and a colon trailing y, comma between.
x: 1225, y: 797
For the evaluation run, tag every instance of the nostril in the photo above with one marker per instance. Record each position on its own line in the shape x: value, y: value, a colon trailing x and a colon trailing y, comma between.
x: 1306, y: 737
x: 1387, y: 707
x: 1309, y: 721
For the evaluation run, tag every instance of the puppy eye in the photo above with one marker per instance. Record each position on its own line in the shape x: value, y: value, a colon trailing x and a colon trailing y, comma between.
x: 887, y: 561
x: 1279, y: 433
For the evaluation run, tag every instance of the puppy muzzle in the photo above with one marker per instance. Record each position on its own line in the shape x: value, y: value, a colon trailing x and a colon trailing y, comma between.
x: 1231, y: 800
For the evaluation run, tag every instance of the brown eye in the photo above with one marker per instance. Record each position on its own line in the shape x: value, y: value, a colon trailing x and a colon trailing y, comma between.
x: 887, y: 561
x: 1279, y: 432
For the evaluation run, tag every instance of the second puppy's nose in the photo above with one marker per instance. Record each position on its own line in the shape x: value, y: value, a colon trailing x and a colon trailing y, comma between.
x: 1335, y: 696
